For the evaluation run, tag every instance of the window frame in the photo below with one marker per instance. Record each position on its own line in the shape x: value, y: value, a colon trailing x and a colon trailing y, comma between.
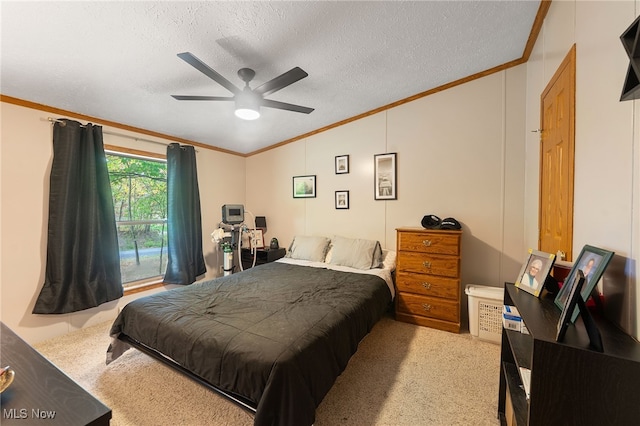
x: 158, y: 280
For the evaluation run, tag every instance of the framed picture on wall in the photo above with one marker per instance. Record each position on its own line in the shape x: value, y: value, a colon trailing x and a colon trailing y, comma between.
x: 304, y: 186
x: 342, y: 164
x: 592, y: 261
x: 534, y: 271
x: 385, y: 176
x: 342, y: 200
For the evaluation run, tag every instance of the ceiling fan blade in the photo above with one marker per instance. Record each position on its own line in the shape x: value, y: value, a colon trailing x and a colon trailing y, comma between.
x: 202, y: 98
x: 289, y: 107
x: 281, y: 81
x: 209, y: 72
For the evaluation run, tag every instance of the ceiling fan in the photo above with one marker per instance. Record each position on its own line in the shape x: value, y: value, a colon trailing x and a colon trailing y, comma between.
x: 248, y: 101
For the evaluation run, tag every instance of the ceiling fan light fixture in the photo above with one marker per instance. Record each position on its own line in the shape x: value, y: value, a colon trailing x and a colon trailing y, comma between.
x: 248, y: 101
x: 247, y: 106
x: 247, y: 113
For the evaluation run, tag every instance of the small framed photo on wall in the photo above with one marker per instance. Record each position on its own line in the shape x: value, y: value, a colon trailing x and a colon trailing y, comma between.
x: 385, y: 176
x: 342, y: 200
x: 304, y: 186
x: 342, y: 164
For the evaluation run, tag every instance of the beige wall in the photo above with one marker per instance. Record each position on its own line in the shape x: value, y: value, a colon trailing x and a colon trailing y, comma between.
x: 26, y: 155
x: 460, y: 153
x: 607, y: 146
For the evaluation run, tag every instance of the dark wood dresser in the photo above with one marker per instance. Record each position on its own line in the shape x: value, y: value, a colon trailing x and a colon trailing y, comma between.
x: 570, y: 383
x: 41, y: 393
x: 428, y: 278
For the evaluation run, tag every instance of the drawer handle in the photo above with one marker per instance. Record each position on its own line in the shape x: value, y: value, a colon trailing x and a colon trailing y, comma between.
x: 426, y: 285
x: 427, y: 264
x: 426, y: 243
x: 426, y: 307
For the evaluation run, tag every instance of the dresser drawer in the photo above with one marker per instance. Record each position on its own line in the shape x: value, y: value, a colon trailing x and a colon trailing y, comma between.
x: 432, y: 242
x: 428, y: 285
x: 446, y: 266
x: 433, y: 307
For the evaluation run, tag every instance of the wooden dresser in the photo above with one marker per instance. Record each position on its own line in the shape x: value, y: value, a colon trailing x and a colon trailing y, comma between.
x: 428, y: 278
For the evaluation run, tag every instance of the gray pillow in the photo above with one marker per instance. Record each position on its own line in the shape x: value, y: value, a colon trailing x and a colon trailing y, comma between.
x: 308, y: 248
x: 355, y: 253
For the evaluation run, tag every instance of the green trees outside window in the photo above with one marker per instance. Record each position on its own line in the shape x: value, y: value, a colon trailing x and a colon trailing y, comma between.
x: 139, y: 187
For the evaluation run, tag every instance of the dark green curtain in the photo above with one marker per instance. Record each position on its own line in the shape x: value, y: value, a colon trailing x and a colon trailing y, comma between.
x: 83, y: 260
x: 184, y: 223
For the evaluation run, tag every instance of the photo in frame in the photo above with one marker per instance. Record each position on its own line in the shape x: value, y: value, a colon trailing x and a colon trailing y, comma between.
x: 573, y: 293
x: 342, y: 200
x: 534, y: 271
x: 304, y: 186
x: 342, y: 164
x: 592, y: 261
x: 385, y: 176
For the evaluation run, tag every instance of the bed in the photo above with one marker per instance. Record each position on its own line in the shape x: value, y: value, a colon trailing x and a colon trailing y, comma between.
x: 273, y: 338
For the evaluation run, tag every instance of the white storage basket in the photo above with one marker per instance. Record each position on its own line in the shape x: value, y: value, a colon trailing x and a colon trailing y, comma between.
x: 485, y: 312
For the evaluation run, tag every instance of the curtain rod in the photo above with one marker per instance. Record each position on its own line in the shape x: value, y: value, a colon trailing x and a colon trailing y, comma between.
x: 106, y: 132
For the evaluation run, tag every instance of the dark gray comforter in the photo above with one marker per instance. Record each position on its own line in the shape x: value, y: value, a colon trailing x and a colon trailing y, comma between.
x: 278, y: 334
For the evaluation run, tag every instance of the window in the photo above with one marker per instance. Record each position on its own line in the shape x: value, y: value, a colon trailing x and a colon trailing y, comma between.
x: 139, y: 187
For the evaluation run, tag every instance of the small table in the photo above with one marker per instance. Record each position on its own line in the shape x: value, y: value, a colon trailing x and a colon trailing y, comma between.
x: 40, y: 392
x: 265, y: 255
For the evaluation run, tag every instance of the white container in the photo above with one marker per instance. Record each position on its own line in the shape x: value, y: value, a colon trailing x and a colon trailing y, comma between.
x: 511, y: 319
x: 485, y: 312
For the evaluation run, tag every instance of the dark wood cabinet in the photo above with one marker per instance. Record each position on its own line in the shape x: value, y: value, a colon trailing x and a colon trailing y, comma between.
x: 571, y: 384
x: 262, y: 256
x: 42, y: 394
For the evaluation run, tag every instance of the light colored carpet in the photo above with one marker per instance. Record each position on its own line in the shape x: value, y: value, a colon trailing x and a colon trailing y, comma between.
x: 401, y: 375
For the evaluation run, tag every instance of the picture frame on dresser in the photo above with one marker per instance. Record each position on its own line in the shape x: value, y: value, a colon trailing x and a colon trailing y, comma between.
x: 592, y: 261
x: 534, y: 271
x: 576, y: 304
x: 574, y: 286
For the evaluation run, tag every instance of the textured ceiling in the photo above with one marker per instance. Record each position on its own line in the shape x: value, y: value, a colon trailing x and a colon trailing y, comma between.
x: 117, y: 60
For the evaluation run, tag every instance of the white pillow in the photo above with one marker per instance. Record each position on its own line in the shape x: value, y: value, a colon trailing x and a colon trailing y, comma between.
x: 355, y: 253
x: 308, y: 248
x: 389, y: 259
